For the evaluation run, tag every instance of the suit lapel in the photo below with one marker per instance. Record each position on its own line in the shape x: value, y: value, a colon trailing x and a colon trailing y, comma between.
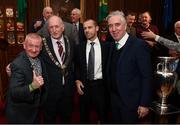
x: 28, y: 64
x: 103, y: 51
x: 49, y: 42
x: 83, y: 53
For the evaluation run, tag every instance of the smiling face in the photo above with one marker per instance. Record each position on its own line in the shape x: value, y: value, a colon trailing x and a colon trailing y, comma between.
x: 75, y: 16
x: 130, y: 19
x: 55, y: 27
x: 90, y: 29
x: 117, y: 27
x: 32, y: 45
x: 145, y: 19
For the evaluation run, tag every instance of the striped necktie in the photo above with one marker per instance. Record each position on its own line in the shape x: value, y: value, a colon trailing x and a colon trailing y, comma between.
x: 61, y: 51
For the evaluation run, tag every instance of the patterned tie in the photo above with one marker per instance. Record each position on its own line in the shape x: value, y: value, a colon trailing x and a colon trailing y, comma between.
x: 61, y: 52
x: 36, y: 65
x: 91, y: 61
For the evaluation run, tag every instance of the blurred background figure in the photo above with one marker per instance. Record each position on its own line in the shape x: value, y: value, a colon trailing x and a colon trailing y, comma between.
x: 38, y: 24
x: 75, y: 19
x: 131, y: 19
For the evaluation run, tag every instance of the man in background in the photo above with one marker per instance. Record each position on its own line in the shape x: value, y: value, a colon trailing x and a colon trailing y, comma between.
x: 38, y: 24
x: 131, y: 19
x: 75, y: 19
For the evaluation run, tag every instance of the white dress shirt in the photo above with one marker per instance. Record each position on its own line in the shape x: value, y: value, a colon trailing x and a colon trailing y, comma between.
x: 98, y: 58
x: 122, y: 41
x: 55, y: 47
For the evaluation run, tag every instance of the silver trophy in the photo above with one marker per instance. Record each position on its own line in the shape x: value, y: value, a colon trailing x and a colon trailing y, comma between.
x: 165, y: 81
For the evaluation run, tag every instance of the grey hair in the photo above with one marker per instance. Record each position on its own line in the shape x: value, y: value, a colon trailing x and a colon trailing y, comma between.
x: 117, y: 13
x: 176, y: 23
x: 78, y: 11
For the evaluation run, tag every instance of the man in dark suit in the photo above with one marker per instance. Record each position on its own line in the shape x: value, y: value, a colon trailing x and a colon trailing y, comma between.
x: 129, y: 72
x: 58, y: 56
x: 75, y: 19
x: 26, y: 88
x: 92, y: 90
x: 38, y: 24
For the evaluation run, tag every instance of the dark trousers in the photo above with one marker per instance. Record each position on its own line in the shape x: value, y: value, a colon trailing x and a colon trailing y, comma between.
x: 121, y: 114
x: 58, y: 106
x: 94, y: 96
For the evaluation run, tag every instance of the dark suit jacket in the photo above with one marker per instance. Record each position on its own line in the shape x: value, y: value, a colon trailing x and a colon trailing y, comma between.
x: 82, y: 37
x: 32, y: 29
x: 81, y: 65
x: 55, y: 88
x: 22, y: 105
x: 132, y: 75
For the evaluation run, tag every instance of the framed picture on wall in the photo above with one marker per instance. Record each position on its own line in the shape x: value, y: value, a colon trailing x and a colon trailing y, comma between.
x: 11, y: 37
x: 1, y: 25
x: 63, y: 8
x: 19, y: 26
x: 10, y: 24
x: 1, y: 13
x: 2, y: 35
x: 9, y: 12
x: 20, y: 37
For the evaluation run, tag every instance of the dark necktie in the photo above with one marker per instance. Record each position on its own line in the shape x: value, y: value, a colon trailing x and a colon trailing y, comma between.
x: 91, y: 61
x: 76, y: 32
x: 76, y: 28
x: 61, y: 52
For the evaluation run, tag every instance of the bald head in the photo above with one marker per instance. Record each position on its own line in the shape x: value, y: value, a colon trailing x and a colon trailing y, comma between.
x: 47, y: 12
x: 55, y: 27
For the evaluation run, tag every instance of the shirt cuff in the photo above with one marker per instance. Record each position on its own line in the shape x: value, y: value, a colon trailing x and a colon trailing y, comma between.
x: 157, y: 37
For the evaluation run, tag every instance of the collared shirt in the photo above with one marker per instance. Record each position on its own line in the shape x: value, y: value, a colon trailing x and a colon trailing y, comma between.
x: 178, y: 37
x: 98, y: 58
x: 122, y: 41
x: 55, y: 47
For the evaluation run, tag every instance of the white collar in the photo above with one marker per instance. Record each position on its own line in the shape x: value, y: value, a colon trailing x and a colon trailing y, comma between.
x: 123, y: 40
x: 177, y: 35
x: 61, y: 39
x: 96, y: 41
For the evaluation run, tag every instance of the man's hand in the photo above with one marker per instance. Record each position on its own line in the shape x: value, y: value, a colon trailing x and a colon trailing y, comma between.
x: 79, y: 87
x: 148, y: 35
x: 174, y: 53
x: 8, y: 70
x: 37, y: 24
x: 151, y: 43
x: 142, y: 111
x: 38, y: 81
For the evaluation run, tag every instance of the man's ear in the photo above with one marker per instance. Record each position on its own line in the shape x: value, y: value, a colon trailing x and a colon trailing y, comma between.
x: 97, y: 28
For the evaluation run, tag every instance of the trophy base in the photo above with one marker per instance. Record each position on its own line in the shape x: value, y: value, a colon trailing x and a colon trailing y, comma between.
x: 164, y: 109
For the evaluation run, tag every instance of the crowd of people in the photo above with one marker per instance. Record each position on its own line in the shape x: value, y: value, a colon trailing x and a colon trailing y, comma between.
x: 114, y: 76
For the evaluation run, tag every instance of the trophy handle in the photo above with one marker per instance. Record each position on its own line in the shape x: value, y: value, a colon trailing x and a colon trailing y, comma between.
x: 160, y: 65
